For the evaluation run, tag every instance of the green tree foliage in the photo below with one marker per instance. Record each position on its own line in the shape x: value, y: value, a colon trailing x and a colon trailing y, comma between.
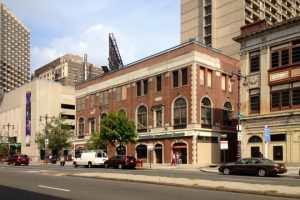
x: 115, y: 128
x: 3, y: 150
x: 58, y: 134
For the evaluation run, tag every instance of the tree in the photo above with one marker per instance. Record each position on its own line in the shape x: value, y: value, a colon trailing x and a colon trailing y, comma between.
x: 3, y: 150
x: 58, y: 134
x: 115, y: 128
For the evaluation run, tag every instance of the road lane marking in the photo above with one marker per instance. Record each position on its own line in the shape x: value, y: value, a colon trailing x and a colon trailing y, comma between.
x: 37, y: 171
x: 53, y: 188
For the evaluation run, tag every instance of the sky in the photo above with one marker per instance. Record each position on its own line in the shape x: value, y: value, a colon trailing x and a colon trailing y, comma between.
x: 57, y: 27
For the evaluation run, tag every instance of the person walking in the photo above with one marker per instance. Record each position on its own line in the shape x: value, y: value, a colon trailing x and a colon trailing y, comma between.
x: 173, y: 159
x: 177, y: 158
x: 62, y: 160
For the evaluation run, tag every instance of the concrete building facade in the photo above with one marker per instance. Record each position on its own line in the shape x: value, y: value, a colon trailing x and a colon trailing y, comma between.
x: 14, y: 51
x: 68, y: 70
x: 270, y: 58
x: 181, y: 100
x: 23, y: 107
x: 215, y: 22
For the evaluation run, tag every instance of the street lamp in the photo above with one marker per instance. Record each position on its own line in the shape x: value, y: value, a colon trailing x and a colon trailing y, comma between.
x: 239, y: 76
x: 8, y: 125
x: 46, y: 117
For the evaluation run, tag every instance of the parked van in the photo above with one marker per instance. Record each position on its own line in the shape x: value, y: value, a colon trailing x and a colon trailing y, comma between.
x: 90, y: 159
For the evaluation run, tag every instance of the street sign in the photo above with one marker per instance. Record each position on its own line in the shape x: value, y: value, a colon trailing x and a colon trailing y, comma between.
x: 240, y: 136
x: 267, y: 134
x: 46, y: 142
x: 240, y: 116
x: 224, y: 144
x: 150, y: 147
x: 238, y: 127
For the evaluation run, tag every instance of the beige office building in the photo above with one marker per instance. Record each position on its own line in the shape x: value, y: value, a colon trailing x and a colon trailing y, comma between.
x: 216, y: 22
x: 68, y: 70
x: 14, y: 51
x: 270, y: 58
x: 23, y: 112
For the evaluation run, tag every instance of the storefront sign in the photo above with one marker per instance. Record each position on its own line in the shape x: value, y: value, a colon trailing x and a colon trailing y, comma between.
x: 28, y: 117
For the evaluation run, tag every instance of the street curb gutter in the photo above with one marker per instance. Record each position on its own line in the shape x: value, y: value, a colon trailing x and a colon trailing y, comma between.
x: 188, y: 183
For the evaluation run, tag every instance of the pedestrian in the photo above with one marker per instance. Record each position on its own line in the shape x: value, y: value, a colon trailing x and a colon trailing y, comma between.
x: 173, y: 159
x: 261, y: 155
x: 177, y: 158
x: 62, y: 160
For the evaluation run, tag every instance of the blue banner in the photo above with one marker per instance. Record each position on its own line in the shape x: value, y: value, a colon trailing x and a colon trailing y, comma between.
x: 267, y: 134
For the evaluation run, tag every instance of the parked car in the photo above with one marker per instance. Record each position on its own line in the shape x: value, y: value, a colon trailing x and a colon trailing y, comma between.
x: 90, y: 159
x: 259, y: 166
x: 121, y: 162
x: 18, y: 159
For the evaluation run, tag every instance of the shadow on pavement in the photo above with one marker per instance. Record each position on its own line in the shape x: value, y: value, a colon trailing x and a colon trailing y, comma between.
x: 16, y: 194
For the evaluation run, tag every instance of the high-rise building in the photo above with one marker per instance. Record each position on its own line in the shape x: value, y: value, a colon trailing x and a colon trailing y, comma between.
x: 216, y: 22
x: 14, y: 51
x: 68, y: 70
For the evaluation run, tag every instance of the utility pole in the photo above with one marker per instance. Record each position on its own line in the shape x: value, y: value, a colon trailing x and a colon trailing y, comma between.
x: 46, y: 117
x: 8, y: 125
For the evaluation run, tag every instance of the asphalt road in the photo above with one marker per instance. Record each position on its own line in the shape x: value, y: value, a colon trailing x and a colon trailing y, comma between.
x: 49, y: 183
x: 55, y: 169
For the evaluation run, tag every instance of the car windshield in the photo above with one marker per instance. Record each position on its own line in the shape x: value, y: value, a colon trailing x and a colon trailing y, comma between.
x: 23, y: 156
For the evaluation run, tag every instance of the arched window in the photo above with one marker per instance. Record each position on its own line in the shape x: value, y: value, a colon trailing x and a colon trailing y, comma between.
x: 205, y: 113
x: 254, y: 139
x: 180, y: 113
x: 141, y: 151
x: 92, y: 125
x: 81, y: 127
x: 227, y: 114
x: 142, y: 119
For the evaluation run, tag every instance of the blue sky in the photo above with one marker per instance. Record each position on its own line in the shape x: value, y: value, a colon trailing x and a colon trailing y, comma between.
x: 58, y: 27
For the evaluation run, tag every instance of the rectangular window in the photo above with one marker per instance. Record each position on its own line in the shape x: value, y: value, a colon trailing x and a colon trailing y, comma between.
x: 254, y: 62
x: 124, y: 92
x: 296, y: 54
x: 92, y: 101
x: 175, y: 79
x: 118, y: 94
x: 67, y: 106
x: 158, y: 83
x: 145, y: 82
x: 285, y: 57
x: 275, y: 97
x: 158, y: 118
x: 285, y: 99
x: 223, y: 82
x: 202, y: 73
x: 296, y: 97
x: 278, y: 137
x: 103, y: 98
x: 83, y: 103
x: 229, y: 83
x: 254, y: 104
x: 209, y: 78
x: 275, y: 59
x: 184, y: 76
x: 138, y: 88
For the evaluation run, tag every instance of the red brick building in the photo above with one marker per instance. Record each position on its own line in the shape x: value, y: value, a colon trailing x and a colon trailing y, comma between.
x: 181, y: 100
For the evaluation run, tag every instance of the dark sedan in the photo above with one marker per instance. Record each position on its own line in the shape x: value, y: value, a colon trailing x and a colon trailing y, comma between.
x: 121, y: 162
x: 259, y: 166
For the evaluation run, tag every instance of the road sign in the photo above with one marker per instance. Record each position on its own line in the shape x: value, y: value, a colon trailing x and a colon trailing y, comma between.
x: 267, y: 134
x: 240, y: 116
x: 150, y: 147
x: 240, y: 136
x: 46, y: 142
x: 224, y: 144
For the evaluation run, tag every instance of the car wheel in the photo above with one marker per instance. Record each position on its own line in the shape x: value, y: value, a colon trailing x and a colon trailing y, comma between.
x: 26, y: 164
x: 106, y: 165
x: 75, y: 164
x: 120, y: 166
x: 262, y: 172
x: 226, y: 171
x: 90, y: 165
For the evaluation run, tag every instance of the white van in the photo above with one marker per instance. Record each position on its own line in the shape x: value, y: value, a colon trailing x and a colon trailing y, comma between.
x: 90, y: 159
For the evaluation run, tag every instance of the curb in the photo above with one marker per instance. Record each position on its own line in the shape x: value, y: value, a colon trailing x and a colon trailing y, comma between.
x: 218, y: 188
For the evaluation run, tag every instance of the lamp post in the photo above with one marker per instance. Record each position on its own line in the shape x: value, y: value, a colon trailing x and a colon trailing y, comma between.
x: 8, y: 125
x: 46, y: 117
x: 239, y: 77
